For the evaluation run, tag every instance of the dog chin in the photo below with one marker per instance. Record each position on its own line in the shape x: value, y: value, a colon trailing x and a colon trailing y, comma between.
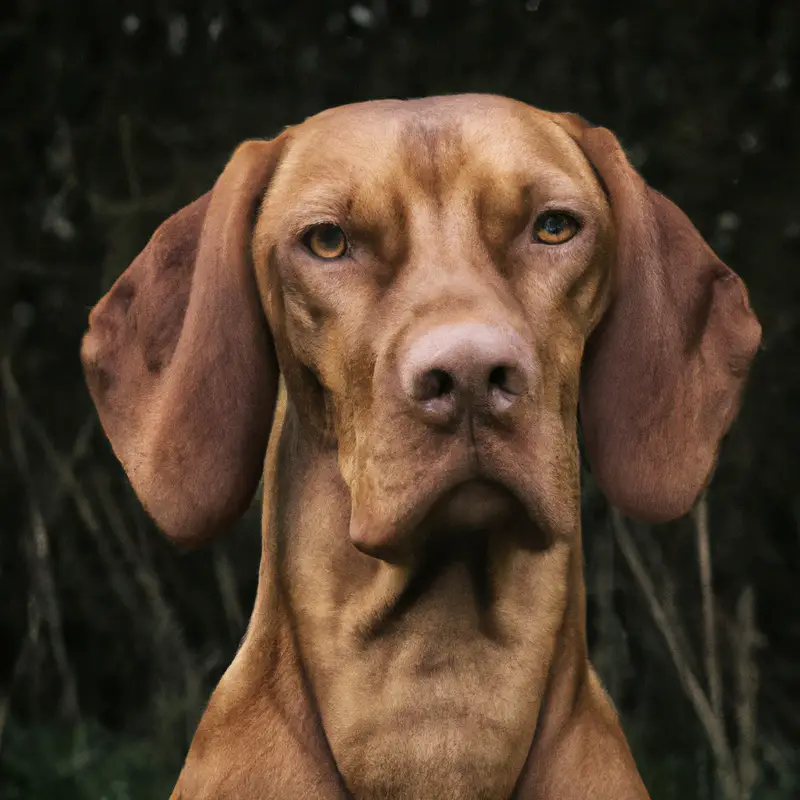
x: 471, y: 507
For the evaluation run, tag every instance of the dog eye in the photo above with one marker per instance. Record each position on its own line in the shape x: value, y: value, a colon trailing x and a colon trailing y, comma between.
x: 326, y: 241
x: 555, y: 227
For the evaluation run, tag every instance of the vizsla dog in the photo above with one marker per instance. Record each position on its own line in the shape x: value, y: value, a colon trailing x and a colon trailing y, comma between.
x: 443, y: 286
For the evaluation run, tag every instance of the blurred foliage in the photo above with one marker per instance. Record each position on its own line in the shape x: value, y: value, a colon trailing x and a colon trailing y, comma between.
x: 115, y: 114
x: 99, y: 766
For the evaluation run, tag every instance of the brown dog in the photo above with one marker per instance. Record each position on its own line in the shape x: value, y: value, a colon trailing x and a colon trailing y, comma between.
x: 431, y: 278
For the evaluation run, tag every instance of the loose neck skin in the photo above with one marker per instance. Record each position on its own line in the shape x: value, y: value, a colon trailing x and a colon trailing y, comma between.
x: 570, y: 727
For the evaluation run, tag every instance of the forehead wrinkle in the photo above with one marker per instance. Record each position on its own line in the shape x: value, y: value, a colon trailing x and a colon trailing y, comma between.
x: 334, y: 174
x: 374, y: 199
x: 433, y: 153
x: 336, y: 169
x: 578, y: 165
x: 538, y: 180
x: 530, y: 143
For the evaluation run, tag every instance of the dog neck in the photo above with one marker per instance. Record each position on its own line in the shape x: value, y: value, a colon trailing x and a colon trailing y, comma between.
x: 573, y: 715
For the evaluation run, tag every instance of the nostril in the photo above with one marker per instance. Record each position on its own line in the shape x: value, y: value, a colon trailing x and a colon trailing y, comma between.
x: 433, y: 384
x: 498, y: 377
x: 507, y: 379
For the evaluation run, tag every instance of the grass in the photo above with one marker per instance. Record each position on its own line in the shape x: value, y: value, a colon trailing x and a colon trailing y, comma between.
x: 55, y: 761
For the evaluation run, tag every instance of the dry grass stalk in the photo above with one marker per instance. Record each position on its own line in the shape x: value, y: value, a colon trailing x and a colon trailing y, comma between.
x: 713, y: 724
x: 39, y: 549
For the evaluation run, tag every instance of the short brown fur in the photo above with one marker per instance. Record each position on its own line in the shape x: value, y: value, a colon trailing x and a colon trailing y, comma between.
x: 419, y: 626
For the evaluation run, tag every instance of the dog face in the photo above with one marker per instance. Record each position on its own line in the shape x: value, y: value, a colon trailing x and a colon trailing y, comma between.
x: 438, y: 338
x: 440, y: 282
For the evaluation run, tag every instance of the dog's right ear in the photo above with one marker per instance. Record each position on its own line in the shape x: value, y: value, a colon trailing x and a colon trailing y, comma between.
x: 180, y: 362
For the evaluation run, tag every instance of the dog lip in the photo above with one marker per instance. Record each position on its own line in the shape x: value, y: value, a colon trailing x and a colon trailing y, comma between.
x: 465, y: 506
x: 475, y: 504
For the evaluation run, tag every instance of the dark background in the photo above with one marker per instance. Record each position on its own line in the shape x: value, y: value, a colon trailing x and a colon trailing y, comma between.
x: 114, y: 114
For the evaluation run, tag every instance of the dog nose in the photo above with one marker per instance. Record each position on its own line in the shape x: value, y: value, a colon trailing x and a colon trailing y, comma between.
x: 457, y: 368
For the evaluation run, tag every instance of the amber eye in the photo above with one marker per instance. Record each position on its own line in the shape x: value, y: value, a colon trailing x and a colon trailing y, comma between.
x: 326, y: 241
x: 555, y: 227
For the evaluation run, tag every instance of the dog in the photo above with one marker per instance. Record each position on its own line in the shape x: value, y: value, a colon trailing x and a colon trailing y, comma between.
x: 396, y: 312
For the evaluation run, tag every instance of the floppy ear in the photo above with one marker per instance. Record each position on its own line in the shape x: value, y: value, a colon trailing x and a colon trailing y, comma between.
x: 179, y: 359
x: 664, y: 370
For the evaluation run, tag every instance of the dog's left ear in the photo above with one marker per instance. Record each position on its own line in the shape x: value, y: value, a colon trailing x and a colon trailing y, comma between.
x: 664, y: 370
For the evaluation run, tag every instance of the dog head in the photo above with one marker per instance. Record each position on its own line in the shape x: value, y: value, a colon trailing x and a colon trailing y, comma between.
x: 441, y: 279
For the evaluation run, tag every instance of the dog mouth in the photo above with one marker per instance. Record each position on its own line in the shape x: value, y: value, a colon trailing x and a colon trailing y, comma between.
x: 471, y: 506
x: 452, y: 569
x: 446, y: 514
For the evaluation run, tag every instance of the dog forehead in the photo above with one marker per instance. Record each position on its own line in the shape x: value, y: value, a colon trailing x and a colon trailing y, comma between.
x: 427, y: 140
